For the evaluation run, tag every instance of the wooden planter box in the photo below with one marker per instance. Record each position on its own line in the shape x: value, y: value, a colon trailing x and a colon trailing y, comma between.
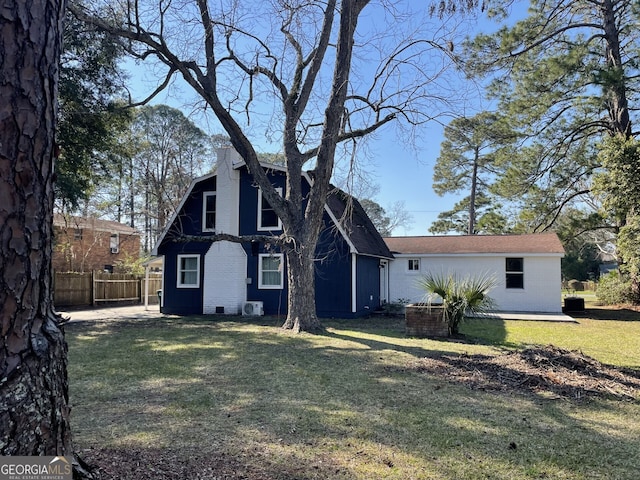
x: 425, y: 321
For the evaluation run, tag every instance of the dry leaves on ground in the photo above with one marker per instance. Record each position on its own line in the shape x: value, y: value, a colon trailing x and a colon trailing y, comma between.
x: 549, y: 371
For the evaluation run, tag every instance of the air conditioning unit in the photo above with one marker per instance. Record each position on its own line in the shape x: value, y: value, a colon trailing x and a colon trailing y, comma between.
x: 115, y: 249
x: 252, y: 308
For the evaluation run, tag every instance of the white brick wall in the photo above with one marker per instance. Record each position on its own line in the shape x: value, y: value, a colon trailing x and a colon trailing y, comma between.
x: 225, y: 275
x: 228, y: 192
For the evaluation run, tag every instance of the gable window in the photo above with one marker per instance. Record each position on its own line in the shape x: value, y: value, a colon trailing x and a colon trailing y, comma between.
x: 267, y: 218
x: 270, y: 271
x: 188, y: 271
x: 515, y: 272
x: 413, y: 265
x: 209, y: 211
x: 114, y: 243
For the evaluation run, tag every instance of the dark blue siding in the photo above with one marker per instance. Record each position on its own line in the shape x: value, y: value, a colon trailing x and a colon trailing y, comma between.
x: 181, y: 301
x: 189, y: 221
x: 333, y: 266
x: 274, y: 301
x: 368, y: 288
x: 185, y: 301
x: 333, y: 273
x: 249, y: 201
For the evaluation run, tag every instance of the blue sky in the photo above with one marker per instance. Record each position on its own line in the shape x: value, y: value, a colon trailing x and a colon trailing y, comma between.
x: 401, y: 170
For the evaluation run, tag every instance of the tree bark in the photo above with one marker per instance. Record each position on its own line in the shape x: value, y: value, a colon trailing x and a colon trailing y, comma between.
x: 301, y: 306
x: 616, y: 90
x: 34, y: 401
x: 471, y: 230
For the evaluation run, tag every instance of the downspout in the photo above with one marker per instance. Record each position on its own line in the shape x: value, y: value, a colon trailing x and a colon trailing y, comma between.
x: 354, y: 283
x: 146, y: 287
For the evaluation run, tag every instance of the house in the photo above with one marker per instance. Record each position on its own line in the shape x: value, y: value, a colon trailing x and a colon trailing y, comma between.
x: 526, y: 267
x: 84, y: 244
x: 202, y: 277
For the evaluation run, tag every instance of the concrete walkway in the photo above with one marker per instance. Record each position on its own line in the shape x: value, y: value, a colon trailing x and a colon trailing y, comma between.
x: 129, y: 312
x: 532, y: 316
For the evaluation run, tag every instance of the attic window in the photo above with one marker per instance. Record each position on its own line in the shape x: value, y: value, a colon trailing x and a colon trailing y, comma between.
x: 515, y: 272
x: 267, y: 218
x: 209, y: 211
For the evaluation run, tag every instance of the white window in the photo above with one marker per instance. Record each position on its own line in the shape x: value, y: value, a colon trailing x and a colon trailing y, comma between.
x: 188, y: 271
x: 267, y: 218
x: 270, y: 270
x: 413, y: 265
x: 209, y: 211
x: 114, y: 243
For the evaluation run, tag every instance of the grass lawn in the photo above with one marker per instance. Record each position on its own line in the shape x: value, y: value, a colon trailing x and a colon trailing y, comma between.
x: 343, y: 405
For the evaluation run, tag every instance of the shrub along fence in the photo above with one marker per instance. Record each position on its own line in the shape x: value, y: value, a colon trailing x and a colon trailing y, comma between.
x: 95, y: 288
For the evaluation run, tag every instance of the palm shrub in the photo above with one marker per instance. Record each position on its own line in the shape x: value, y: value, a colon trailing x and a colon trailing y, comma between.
x: 461, y: 297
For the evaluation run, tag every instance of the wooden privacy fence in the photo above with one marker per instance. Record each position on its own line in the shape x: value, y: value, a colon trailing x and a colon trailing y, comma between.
x: 83, y: 289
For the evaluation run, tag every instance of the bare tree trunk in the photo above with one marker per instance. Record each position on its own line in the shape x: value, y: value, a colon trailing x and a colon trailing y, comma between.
x: 616, y: 90
x: 34, y: 401
x: 301, y: 304
x: 471, y: 230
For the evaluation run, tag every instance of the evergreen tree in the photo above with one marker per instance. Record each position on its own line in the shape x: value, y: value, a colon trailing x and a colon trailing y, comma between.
x: 564, y: 77
x: 470, y: 159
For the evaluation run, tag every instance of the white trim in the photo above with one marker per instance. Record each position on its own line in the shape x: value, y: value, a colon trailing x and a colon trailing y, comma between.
x: 352, y: 247
x: 354, y: 283
x: 280, y: 286
x: 477, y: 254
x: 384, y: 281
x: 205, y: 196
x: 179, y: 284
x: 268, y: 228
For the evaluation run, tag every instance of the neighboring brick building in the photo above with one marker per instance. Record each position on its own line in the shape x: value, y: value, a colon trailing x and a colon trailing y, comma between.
x: 86, y: 244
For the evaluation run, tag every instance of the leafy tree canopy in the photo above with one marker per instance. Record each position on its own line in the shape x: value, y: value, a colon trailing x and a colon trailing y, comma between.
x: 91, y: 116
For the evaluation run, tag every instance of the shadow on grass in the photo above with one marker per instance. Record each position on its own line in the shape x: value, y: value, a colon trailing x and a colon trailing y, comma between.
x: 330, y: 406
x: 618, y: 313
x: 488, y: 331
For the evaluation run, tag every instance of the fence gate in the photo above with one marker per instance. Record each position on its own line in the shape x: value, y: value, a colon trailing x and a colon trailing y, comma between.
x: 85, y: 289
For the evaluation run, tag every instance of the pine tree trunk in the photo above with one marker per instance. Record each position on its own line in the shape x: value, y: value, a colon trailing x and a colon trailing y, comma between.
x: 34, y: 403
